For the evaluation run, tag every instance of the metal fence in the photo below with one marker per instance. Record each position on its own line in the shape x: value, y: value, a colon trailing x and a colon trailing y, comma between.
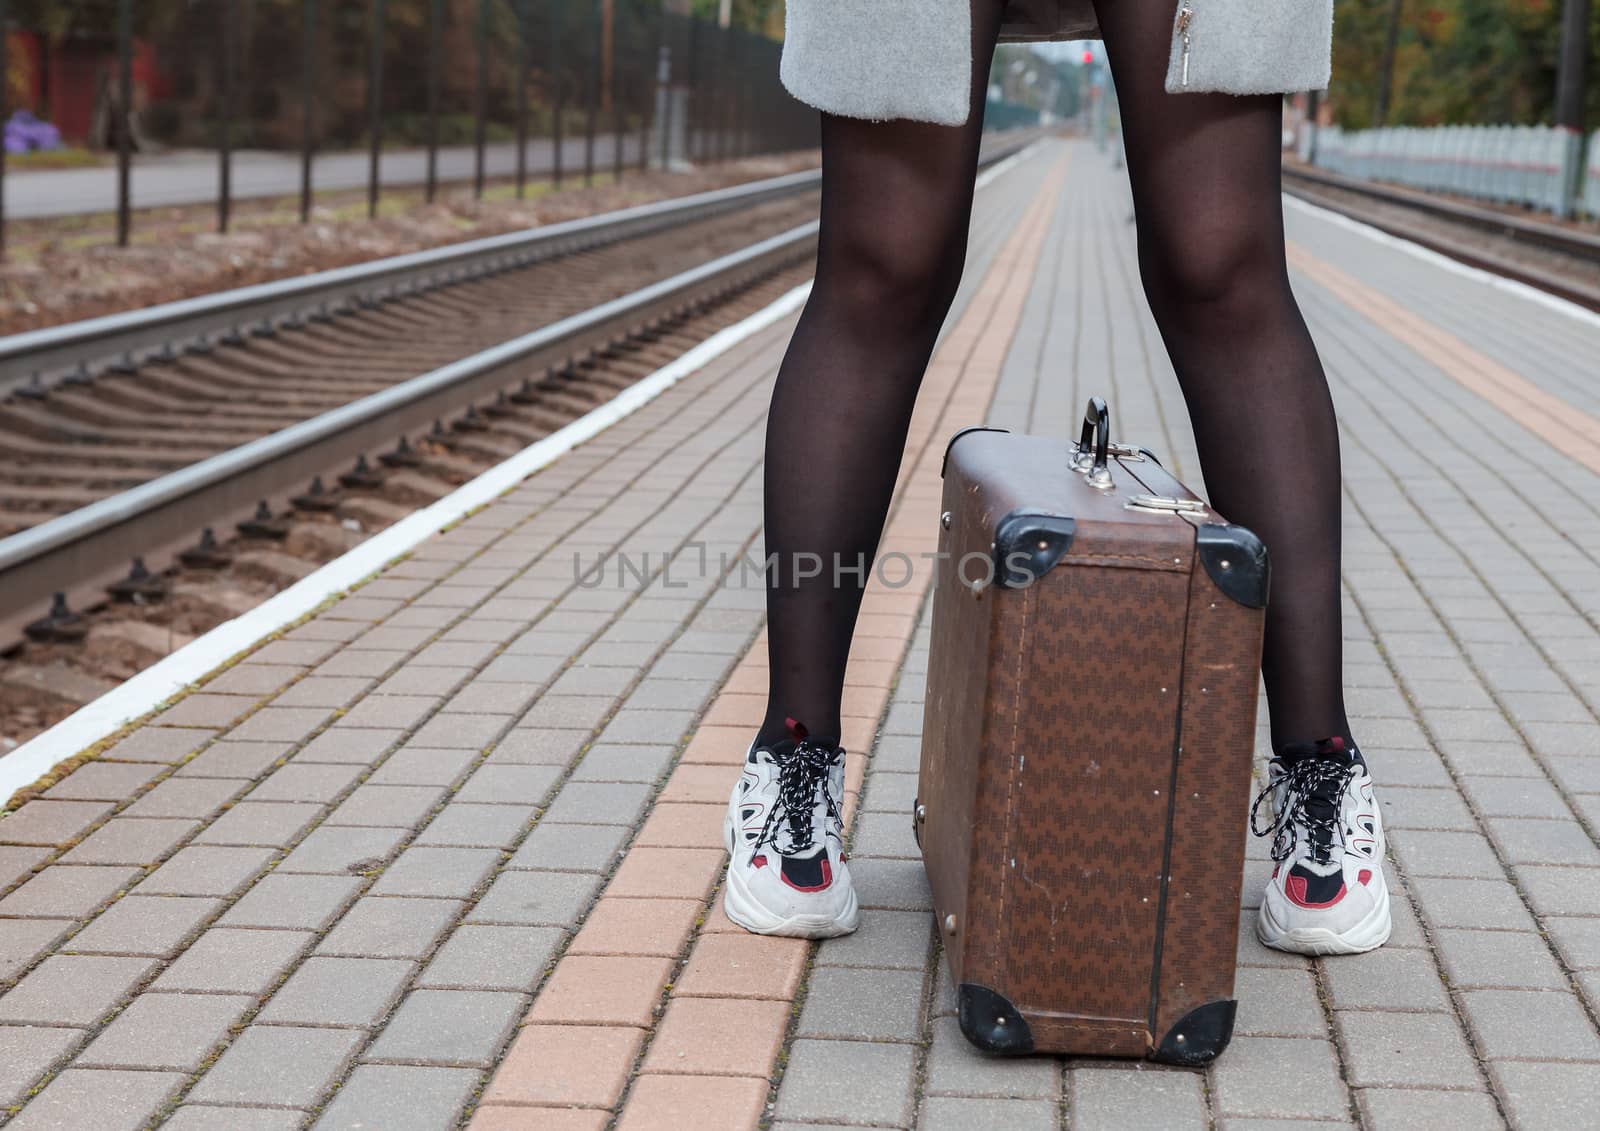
x: 226, y: 99
x: 1527, y: 165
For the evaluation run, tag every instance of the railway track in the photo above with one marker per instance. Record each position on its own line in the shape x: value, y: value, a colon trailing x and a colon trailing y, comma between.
x: 1560, y: 259
x: 172, y: 468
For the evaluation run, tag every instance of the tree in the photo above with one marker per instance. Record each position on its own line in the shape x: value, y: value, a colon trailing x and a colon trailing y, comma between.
x: 91, y: 19
x: 1456, y: 62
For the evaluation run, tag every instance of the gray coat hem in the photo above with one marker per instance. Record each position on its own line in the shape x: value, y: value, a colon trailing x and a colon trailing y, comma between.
x: 887, y: 59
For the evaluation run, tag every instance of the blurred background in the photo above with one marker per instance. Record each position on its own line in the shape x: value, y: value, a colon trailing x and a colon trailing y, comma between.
x: 113, y: 106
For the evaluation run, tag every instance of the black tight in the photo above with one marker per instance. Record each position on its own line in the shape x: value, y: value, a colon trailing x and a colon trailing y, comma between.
x: 896, y: 203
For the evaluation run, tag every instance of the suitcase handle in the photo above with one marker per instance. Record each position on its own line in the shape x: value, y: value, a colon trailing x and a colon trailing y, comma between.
x: 1093, y: 462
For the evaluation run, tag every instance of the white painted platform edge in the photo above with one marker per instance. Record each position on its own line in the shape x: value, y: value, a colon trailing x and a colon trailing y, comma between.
x: 1454, y: 266
x: 168, y: 677
x: 197, y: 659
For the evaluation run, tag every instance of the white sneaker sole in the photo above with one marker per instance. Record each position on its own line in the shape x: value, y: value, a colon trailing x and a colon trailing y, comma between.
x: 1369, y: 934
x: 744, y: 909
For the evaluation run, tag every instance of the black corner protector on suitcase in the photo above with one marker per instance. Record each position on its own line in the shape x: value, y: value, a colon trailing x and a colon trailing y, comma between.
x: 991, y: 1022
x: 945, y: 462
x: 1199, y: 1036
x: 1028, y: 544
x: 1236, y: 560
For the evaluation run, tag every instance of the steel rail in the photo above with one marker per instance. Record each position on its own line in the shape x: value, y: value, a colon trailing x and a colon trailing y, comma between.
x: 73, y: 548
x: 1581, y: 247
x: 70, y: 551
x: 1579, y: 244
x: 75, y: 350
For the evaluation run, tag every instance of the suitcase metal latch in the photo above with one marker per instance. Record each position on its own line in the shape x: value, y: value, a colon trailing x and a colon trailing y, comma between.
x: 1165, y: 504
x: 919, y: 817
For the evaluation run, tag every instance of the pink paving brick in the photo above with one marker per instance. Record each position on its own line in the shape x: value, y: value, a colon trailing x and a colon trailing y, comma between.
x: 863, y: 701
x: 739, y: 964
x: 565, y: 1066
x: 658, y: 927
x: 701, y: 783
x: 890, y: 627
x: 864, y: 676
x: 880, y: 648
x: 718, y: 1037
x: 671, y: 1103
x: 719, y: 745
x: 602, y: 990
x: 747, y: 679
x: 736, y: 711
x: 717, y: 921
x: 683, y: 825
x: 668, y: 873
x: 494, y: 1118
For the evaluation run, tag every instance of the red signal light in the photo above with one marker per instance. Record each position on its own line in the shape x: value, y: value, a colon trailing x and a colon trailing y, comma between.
x: 1088, y: 58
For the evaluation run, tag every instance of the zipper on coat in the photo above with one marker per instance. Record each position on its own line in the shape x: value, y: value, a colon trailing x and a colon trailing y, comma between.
x: 1185, y: 18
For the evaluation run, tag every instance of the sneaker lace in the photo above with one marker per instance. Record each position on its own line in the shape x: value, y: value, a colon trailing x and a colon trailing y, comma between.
x: 802, y: 770
x: 1313, y: 786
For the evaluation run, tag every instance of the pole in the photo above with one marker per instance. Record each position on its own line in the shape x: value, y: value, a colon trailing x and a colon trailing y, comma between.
x: 1391, y: 44
x: 647, y: 106
x: 5, y: 89
x: 308, y: 105
x: 229, y: 12
x: 558, y: 82
x: 591, y: 77
x: 480, y: 108
x: 435, y: 64
x: 741, y: 100
x: 691, y: 82
x: 1313, y: 108
x: 375, y: 94
x: 613, y: 96
x: 523, y: 35
x: 608, y: 52
x: 124, y: 118
x: 663, y: 106
x: 1570, y: 83
x: 719, y: 71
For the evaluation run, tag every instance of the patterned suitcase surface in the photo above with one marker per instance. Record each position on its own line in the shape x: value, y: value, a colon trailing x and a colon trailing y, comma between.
x: 1087, y: 737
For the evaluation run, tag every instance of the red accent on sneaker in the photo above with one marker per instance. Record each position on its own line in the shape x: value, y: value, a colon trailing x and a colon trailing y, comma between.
x: 1275, y: 869
x: 759, y: 862
x: 1295, y: 888
x: 1364, y: 876
x: 827, y: 878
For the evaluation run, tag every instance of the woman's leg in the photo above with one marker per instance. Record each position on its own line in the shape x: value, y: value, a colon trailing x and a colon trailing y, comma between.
x: 896, y: 204
x: 1205, y: 171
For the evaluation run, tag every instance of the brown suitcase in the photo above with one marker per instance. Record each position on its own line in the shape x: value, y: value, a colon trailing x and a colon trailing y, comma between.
x: 1086, y: 747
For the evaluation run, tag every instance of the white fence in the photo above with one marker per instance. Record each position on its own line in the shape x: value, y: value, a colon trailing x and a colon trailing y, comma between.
x: 1506, y: 164
x: 1590, y: 201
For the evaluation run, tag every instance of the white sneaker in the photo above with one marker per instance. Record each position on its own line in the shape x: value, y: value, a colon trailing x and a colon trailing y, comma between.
x: 787, y: 873
x: 1327, y: 894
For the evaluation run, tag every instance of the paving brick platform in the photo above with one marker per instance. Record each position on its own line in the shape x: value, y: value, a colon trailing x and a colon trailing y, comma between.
x: 448, y: 853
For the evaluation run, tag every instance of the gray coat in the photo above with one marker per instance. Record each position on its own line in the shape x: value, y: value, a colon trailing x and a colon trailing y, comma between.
x: 882, y: 59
